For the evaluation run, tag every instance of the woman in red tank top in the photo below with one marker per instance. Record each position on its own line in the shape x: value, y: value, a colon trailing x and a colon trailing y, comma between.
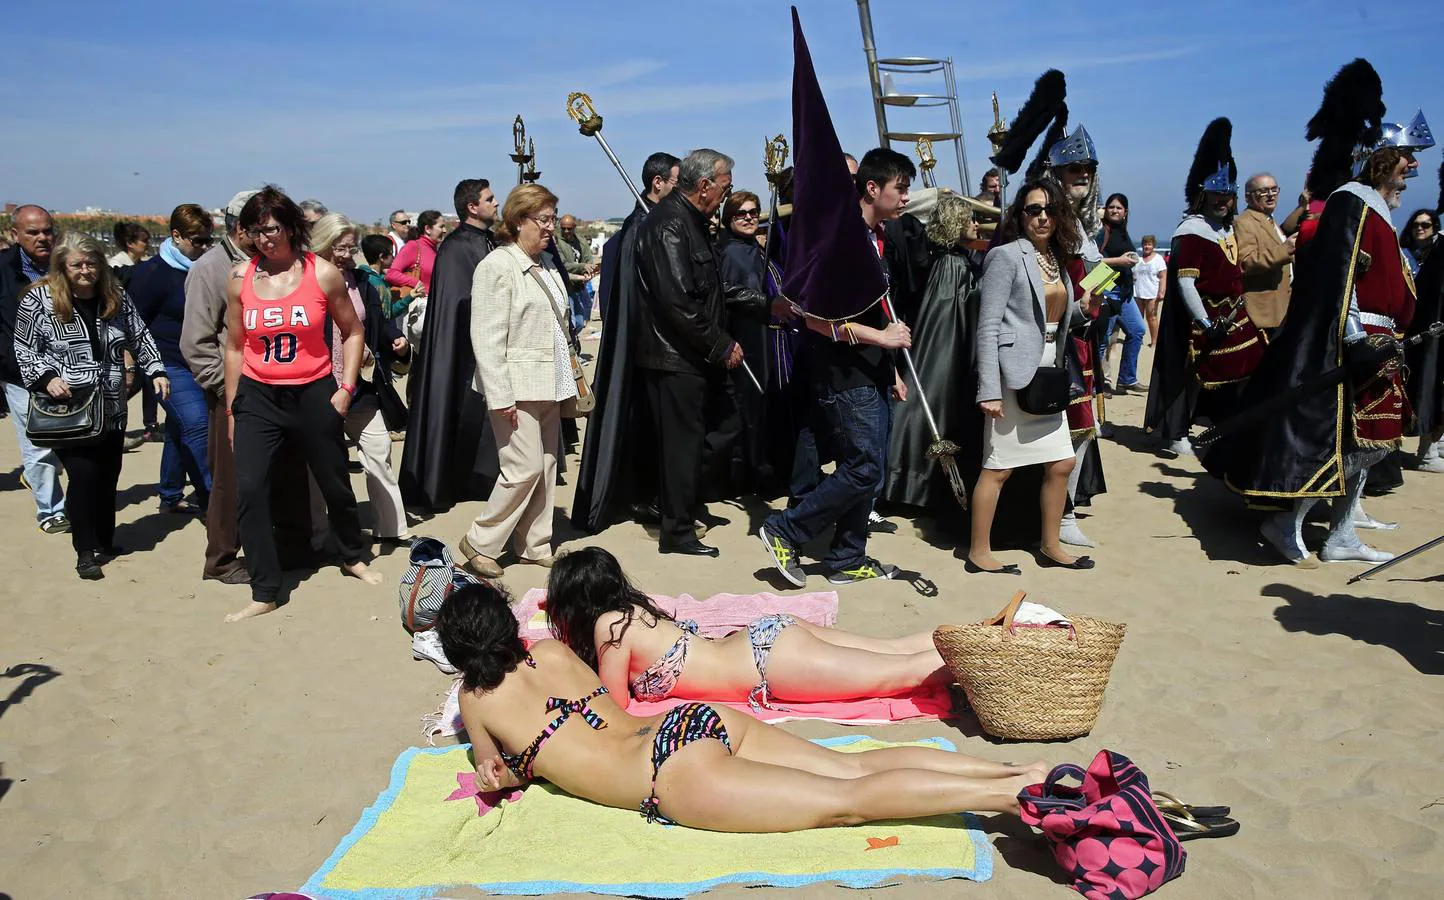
x: 280, y: 387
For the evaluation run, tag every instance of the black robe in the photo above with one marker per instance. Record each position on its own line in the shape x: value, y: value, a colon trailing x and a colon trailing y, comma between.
x: 1426, y: 361
x: 619, y: 463
x: 943, y: 334
x: 450, y: 453
x: 1299, y: 450
x: 1172, y: 390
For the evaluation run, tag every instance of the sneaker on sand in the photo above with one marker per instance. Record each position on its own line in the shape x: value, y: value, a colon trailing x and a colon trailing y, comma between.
x: 866, y: 570
x: 56, y: 524
x: 876, y: 524
x: 784, y: 557
x: 427, y: 645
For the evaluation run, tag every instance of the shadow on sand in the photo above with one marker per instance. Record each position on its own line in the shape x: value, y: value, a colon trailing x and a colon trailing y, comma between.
x: 1414, y: 632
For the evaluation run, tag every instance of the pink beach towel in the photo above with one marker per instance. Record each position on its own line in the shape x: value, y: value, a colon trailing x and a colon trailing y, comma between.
x: 717, y: 616
x: 930, y: 701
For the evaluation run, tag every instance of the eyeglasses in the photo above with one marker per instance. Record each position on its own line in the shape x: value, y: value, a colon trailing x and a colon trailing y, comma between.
x: 544, y: 221
x: 83, y: 265
x: 745, y: 214
x: 263, y: 230
x: 1265, y: 192
x: 201, y: 240
x: 1034, y: 210
x: 1424, y: 223
x: 343, y: 249
x: 400, y: 221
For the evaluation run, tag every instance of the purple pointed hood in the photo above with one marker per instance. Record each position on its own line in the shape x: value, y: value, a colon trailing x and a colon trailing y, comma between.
x: 832, y: 268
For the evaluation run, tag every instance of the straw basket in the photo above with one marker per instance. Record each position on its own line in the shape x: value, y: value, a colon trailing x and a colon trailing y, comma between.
x: 1032, y: 683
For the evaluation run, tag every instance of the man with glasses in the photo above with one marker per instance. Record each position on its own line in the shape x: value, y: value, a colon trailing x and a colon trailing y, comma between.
x: 400, y: 231
x: 581, y: 268
x: 33, y: 233
x: 1264, y: 254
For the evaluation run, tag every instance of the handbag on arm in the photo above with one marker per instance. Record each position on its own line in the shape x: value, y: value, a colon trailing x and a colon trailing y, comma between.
x: 1048, y: 393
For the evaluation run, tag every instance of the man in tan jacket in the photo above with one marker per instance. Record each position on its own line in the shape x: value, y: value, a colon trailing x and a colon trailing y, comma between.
x: 1264, y: 254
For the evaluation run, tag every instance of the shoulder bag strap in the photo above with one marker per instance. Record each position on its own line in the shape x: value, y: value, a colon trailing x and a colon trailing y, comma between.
x: 535, y: 272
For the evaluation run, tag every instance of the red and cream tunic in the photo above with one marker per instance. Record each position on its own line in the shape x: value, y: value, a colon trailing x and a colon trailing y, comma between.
x: 1210, y: 257
x: 1082, y: 423
x: 286, y: 338
x: 1385, y: 295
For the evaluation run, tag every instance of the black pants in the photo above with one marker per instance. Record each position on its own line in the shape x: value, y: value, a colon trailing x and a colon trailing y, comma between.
x: 267, y: 415
x: 93, y: 471
x: 679, y: 414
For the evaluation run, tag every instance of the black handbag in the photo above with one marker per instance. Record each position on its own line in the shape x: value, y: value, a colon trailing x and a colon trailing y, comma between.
x: 388, y: 399
x: 1048, y: 393
x: 69, y: 422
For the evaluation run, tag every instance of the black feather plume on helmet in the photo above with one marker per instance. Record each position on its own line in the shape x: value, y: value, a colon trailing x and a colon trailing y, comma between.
x: 1351, y: 114
x: 1056, y: 132
x: 1033, y: 117
x: 1440, y: 208
x: 1214, y: 149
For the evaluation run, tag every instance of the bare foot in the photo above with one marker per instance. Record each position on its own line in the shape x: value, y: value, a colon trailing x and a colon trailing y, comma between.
x: 362, y: 571
x: 253, y: 609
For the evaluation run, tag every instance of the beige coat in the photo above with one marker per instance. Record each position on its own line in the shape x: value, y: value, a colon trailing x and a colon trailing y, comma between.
x: 513, y: 328
x: 1267, y: 268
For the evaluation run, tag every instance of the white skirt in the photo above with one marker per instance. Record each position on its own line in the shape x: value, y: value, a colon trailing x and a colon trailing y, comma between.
x: 1023, y: 439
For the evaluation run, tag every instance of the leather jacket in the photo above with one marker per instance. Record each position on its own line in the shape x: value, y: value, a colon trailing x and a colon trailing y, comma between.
x: 683, y: 309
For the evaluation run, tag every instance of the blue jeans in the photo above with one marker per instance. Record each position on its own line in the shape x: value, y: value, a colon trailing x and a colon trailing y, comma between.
x: 186, y: 451
x: 1134, y: 328
x: 581, y: 308
x: 40, y: 465
x: 857, y: 422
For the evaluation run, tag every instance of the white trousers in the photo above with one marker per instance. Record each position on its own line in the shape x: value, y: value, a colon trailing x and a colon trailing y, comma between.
x: 520, y: 506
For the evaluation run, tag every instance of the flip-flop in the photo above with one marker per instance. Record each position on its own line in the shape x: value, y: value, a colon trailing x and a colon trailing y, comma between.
x: 1169, y: 803
x: 1187, y: 827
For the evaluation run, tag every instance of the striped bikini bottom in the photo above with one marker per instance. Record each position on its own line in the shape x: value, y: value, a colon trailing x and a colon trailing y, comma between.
x: 680, y: 727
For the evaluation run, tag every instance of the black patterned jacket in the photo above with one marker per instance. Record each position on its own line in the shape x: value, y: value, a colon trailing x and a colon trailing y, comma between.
x: 46, y: 347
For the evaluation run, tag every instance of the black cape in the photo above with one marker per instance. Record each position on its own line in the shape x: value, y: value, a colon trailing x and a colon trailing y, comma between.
x: 450, y: 453
x: 943, y: 333
x: 618, y: 465
x: 1173, y: 390
x: 1299, y: 451
x: 1426, y: 360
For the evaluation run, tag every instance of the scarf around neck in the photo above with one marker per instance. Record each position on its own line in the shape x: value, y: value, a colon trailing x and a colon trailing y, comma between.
x: 173, y: 257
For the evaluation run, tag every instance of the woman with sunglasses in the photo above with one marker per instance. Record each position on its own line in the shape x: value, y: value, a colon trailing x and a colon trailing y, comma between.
x: 280, y: 387
x: 1026, y: 306
x: 1418, y: 237
x: 158, y: 288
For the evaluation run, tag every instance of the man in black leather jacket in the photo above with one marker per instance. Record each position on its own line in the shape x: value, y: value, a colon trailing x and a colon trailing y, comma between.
x: 682, y: 342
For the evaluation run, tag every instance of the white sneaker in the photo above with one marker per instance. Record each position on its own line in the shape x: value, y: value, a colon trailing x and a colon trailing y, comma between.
x: 1361, y: 553
x: 1434, y: 464
x: 427, y: 645
x: 1181, y: 447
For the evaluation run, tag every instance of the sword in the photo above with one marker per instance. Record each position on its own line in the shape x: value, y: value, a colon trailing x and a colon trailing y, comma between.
x: 1332, y: 377
x: 941, y: 449
x: 1430, y: 545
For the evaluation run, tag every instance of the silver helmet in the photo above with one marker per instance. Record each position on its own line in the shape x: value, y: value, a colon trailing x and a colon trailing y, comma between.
x: 1413, y: 137
x: 1075, y: 148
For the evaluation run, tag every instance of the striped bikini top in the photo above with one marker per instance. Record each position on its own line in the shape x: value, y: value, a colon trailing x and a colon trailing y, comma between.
x: 521, y: 764
x: 660, y: 678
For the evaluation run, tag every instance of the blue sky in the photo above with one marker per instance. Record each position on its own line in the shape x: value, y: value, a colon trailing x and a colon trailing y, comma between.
x: 371, y: 105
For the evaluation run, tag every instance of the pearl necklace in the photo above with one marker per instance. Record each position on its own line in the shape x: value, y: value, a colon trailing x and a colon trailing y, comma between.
x: 1048, y: 265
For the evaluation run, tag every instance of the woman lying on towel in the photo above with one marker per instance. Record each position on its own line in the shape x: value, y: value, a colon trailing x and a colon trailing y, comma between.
x: 639, y: 649
x: 542, y: 714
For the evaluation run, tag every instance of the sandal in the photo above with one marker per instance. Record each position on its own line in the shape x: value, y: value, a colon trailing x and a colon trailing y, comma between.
x: 1166, y: 802
x: 1186, y: 826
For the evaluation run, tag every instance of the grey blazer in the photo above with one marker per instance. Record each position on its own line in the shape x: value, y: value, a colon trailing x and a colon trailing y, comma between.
x: 1011, y: 319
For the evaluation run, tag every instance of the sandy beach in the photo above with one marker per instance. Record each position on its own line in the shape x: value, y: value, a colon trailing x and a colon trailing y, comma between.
x: 149, y: 750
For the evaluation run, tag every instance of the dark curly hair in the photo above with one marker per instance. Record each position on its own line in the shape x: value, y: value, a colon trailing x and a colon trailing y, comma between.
x: 480, y: 635
x: 271, y: 202
x: 585, y: 584
x: 1066, y: 239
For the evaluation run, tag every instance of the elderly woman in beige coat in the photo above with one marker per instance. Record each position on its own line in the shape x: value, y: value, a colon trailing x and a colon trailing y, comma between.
x: 523, y: 367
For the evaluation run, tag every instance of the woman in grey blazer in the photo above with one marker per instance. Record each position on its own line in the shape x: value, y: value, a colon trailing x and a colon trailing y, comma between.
x: 524, y: 369
x: 1027, y: 302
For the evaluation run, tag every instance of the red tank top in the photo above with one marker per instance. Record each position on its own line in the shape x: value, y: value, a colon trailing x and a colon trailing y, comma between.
x: 286, y: 338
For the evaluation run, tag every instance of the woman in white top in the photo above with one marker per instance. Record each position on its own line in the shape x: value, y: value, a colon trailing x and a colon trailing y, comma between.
x: 1027, y: 301
x: 523, y: 367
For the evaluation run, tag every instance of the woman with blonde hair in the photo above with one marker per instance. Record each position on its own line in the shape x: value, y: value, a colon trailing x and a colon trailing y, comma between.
x: 523, y: 368
x: 71, y: 330
x: 335, y: 239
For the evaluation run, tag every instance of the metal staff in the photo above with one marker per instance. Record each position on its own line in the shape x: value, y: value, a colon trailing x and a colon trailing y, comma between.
x: 1398, y: 559
x: 520, y: 154
x: 926, y: 161
x: 941, y: 449
x: 580, y: 108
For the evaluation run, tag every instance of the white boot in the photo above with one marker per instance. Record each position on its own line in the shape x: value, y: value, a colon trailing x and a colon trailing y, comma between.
x: 1070, y: 534
x: 1282, y: 533
x: 1364, y: 520
x: 1429, y: 458
x: 1360, y: 552
x: 1181, y: 447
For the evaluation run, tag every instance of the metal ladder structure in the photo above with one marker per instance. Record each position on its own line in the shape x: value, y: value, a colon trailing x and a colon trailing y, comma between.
x: 885, y: 96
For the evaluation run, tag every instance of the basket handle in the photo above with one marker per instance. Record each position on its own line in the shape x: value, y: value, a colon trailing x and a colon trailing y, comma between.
x: 1005, y: 616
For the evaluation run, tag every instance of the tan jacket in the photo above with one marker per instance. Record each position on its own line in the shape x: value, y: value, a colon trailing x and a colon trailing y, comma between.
x: 513, y: 327
x: 1267, y: 268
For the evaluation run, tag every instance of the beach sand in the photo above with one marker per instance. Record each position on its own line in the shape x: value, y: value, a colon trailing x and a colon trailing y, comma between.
x: 149, y: 750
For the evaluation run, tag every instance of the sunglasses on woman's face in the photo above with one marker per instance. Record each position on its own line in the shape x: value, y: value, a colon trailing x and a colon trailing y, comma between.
x: 1034, y: 210
x: 1423, y: 223
x: 745, y: 214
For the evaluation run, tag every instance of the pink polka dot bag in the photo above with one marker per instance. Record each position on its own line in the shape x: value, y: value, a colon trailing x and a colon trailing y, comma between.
x: 1107, y: 834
